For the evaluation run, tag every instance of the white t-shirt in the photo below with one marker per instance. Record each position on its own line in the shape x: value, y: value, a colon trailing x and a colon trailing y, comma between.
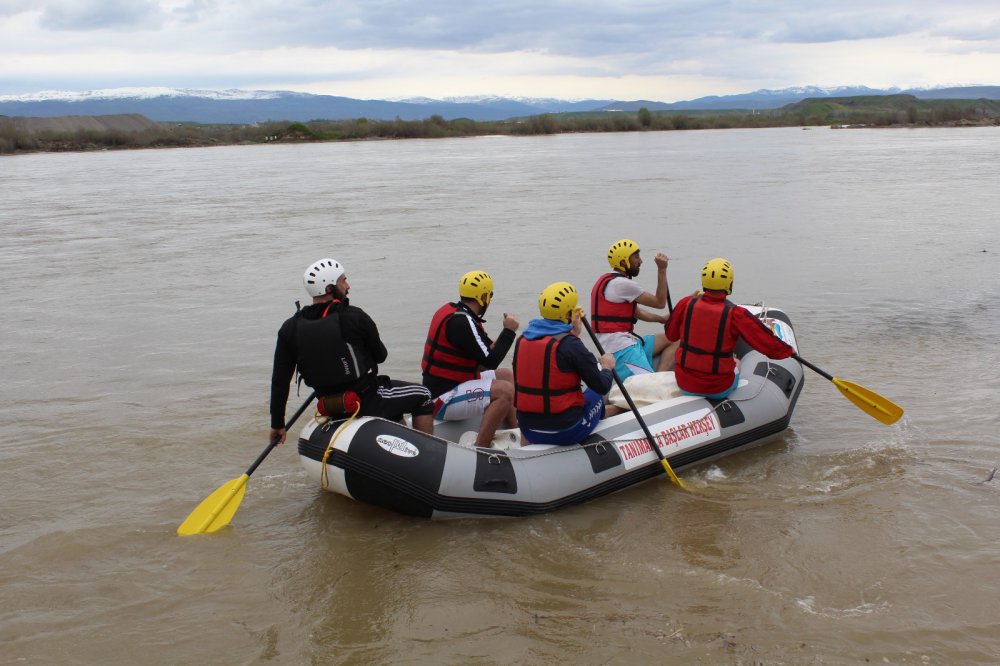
x: 620, y: 290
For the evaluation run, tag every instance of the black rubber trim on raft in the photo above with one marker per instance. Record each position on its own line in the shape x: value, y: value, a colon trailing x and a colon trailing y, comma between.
x: 494, y: 474
x: 729, y: 413
x: 391, y: 491
x: 781, y: 377
x: 602, y: 457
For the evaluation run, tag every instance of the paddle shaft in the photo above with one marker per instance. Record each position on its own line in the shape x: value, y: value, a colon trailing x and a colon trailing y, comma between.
x: 621, y: 387
x: 812, y: 367
x: 276, y: 439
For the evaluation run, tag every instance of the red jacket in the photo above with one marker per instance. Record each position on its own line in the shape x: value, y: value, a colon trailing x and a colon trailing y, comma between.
x: 540, y: 386
x: 608, y: 317
x: 443, y: 359
x: 704, y: 358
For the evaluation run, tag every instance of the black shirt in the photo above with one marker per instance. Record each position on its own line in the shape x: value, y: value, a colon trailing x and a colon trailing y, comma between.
x: 356, y: 327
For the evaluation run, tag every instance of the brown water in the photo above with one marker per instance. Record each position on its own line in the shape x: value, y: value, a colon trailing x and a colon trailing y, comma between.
x: 142, y: 292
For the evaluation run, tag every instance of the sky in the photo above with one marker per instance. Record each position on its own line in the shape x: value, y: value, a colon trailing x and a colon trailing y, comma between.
x: 660, y: 50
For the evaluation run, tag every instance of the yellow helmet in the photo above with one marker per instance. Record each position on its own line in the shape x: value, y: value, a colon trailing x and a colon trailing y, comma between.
x: 477, y: 285
x: 619, y: 253
x: 557, y: 301
x: 717, y: 274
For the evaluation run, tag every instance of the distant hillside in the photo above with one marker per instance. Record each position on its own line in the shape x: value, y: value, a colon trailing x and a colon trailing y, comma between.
x: 199, y: 107
x: 762, y: 100
x: 890, y: 109
x: 248, y: 107
x: 130, y: 122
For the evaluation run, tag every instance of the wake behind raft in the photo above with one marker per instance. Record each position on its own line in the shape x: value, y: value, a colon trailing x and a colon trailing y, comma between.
x: 390, y: 465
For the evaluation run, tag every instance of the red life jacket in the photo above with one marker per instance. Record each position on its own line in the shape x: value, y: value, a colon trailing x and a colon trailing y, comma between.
x: 706, y: 345
x: 540, y: 387
x: 441, y: 358
x: 608, y: 317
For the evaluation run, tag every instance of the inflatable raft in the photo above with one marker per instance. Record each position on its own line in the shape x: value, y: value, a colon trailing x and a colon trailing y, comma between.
x: 393, y: 466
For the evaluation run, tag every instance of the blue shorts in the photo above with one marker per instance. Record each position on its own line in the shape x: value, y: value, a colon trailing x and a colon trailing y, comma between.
x: 593, y: 411
x: 633, y: 360
x: 716, y: 396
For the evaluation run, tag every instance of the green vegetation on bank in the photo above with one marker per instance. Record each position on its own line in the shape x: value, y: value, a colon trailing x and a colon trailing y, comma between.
x: 869, y: 111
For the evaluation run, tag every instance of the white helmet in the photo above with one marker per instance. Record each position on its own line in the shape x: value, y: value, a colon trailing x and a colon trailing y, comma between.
x: 321, y: 273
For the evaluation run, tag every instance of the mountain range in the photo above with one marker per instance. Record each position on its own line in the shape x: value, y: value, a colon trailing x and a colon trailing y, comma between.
x: 248, y: 107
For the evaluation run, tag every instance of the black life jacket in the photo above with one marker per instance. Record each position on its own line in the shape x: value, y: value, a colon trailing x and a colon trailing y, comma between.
x: 324, y: 358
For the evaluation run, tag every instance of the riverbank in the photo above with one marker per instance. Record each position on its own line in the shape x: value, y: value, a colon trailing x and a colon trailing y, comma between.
x: 132, y: 131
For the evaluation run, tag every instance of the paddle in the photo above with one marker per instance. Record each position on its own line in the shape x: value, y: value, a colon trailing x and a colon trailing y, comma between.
x: 216, y: 510
x: 635, y: 410
x: 870, y: 402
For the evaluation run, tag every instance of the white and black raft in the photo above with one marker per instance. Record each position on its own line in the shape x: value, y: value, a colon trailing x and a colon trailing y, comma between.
x: 393, y: 466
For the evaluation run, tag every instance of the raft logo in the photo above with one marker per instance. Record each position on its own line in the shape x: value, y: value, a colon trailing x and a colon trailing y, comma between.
x: 681, y: 432
x: 397, y: 447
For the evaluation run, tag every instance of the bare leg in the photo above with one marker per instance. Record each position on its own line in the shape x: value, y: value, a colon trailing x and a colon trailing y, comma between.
x: 501, y: 400
x: 612, y: 410
x: 424, y: 423
x: 666, y: 350
x: 507, y: 375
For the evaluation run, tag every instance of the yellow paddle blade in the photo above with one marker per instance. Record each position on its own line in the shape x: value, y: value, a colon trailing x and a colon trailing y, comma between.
x: 670, y: 472
x: 870, y: 402
x: 216, y: 510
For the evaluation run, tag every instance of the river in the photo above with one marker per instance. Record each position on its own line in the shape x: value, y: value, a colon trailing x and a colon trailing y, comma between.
x: 142, y: 291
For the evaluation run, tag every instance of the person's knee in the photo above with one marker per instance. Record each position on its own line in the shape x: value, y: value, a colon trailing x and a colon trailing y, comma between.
x: 660, y: 343
x: 501, y: 391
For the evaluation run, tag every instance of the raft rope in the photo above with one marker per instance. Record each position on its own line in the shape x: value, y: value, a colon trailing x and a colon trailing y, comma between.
x: 324, y: 477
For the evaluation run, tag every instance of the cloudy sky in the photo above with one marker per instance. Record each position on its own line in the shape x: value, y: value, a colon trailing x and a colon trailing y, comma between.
x: 664, y: 50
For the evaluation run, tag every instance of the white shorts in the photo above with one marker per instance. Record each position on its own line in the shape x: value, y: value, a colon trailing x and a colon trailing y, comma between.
x: 466, y: 400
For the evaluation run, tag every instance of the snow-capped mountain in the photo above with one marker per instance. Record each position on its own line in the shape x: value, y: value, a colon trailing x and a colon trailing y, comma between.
x: 252, y: 106
x: 140, y: 93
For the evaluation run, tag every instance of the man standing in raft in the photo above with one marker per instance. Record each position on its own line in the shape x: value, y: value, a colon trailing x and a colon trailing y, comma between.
x: 708, y: 326
x: 457, y: 346
x: 614, y: 310
x: 337, y: 349
x: 550, y: 361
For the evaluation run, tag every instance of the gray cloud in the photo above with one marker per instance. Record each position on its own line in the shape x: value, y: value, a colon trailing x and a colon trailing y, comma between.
x: 763, y: 42
x: 87, y: 15
x: 580, y: 28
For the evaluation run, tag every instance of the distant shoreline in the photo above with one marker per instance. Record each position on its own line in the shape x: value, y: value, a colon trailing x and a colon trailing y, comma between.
x: 22, y: 135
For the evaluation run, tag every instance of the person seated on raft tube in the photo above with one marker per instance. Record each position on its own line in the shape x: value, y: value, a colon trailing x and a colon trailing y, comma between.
x: 614, y: 310
x: 336, y: 348
x: 550, y: 361
x: 457, y: 346
x: 708, y: 326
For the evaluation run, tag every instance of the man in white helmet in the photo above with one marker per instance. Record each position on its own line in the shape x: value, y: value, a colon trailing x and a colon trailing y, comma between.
x: 336, y: 348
